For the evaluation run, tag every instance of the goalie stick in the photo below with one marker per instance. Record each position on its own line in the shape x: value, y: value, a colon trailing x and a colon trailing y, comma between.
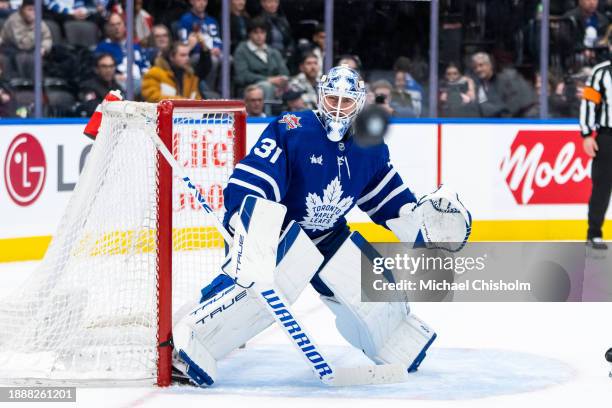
x: 273, y: 301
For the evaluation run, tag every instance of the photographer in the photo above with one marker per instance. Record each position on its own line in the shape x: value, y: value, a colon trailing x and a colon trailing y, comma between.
x: 383, y: 96
x: 457, y: 94
x: 568, y: 94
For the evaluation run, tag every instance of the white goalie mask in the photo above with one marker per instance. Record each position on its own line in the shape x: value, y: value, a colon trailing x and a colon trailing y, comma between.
x: 342, y: 95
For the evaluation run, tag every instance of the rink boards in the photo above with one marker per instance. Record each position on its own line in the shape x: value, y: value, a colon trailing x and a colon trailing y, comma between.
x: 521, y: 180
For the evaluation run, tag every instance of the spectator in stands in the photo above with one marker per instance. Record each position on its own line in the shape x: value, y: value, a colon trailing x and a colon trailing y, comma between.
x: 5, y: 8
x: 306, y: 81
x: 403, y: 66
x: 590, y: 24
x: 400, y: 94
x: 7, y: 99
x: 171, y: 77
x: 143, y: 22
x: 159, y: 42
x: 457, y: 94
x: 292, y: 100
x: 93, y: 91
x: 382, y: 90
x: 255, y: 62
x: 279, y: 32
x: 555, y: 100
x: 501, y: 94
x: 239, y: 21
x: 72, y: 9
x: 254, y: 101
x: 17, y: 41
x: 201, y: 32
x: 352, y: 61
x: 318, y: 49
x: 115, y: 44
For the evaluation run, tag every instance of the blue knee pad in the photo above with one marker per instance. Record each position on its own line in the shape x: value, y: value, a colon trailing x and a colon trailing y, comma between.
x: 220, y: 283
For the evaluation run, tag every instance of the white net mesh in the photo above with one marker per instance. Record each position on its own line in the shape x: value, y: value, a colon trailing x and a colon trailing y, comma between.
x: 89, y: 312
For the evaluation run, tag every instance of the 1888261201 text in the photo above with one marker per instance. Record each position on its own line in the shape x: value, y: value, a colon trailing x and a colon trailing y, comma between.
x: 37, y: 394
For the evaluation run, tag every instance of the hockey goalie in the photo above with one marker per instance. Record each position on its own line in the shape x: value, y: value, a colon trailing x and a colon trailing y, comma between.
x: 289, y: 197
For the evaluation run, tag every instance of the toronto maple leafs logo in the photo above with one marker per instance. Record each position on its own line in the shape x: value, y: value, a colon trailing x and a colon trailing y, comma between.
x: 322, y: 213
x: 316, y: 159
x: 292, y: 121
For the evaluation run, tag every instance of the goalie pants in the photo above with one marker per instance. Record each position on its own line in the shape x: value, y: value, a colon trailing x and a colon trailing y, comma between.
x: 327, y: 247
x: 601, y: 174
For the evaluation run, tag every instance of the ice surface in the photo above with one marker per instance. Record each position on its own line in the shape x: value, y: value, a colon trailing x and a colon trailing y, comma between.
x: 446, y: 374
x: 487, y: 355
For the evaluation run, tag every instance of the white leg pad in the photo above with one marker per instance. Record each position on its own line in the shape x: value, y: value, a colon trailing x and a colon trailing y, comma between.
x: 192, y: 358
x: 386, y: 331
x: 210, y: 330
x: 297, y: 261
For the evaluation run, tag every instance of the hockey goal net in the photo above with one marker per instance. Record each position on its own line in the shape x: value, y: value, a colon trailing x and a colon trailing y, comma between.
x: 131, y: 248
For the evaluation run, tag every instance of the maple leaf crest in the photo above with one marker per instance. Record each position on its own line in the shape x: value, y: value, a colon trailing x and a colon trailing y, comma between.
x: 322, y: 213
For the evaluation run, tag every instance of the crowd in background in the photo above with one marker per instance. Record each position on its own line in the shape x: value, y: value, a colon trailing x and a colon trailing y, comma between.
x: 488, y: 53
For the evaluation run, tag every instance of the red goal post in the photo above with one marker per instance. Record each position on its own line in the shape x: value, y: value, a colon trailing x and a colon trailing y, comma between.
x: 165, y: 112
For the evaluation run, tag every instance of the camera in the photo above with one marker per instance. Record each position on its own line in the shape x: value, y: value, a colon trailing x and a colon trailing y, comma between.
x: 380, y: 99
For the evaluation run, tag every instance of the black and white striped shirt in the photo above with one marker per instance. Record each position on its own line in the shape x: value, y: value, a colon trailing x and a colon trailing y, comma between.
x: 596, y: 105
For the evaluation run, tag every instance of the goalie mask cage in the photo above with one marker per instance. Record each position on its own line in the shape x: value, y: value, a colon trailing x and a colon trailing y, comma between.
x: 131, y: 248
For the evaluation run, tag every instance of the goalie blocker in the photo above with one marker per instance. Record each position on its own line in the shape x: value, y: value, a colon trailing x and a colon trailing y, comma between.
x: 228, y: 315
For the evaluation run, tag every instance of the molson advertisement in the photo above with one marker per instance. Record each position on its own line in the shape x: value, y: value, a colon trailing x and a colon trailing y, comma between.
x: 547, y: 167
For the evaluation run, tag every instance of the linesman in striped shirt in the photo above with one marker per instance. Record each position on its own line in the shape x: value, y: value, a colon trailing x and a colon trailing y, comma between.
x: 596, y: 129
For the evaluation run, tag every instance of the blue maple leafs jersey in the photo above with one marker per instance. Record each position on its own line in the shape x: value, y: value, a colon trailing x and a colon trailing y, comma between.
x: 318, y: 180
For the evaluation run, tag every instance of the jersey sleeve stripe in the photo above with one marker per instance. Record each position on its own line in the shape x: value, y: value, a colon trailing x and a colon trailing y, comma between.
x: 378, y: 188
x: 249, y: 186
x: 263, y: 176
x: 584, y: 120
x: 388, y: 198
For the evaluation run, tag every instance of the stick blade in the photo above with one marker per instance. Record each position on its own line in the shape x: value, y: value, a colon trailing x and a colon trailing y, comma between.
x: 369, y: 375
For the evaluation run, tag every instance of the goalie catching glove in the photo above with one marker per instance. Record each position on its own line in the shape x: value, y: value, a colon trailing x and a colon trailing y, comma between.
x: 440, y: 217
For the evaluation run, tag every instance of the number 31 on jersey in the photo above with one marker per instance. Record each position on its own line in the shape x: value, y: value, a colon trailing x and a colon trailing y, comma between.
x: 266, y: 148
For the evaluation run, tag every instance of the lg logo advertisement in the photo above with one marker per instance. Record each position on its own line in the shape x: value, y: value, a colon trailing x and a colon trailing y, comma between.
x: 40, y: 168
x: 25, y: 169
